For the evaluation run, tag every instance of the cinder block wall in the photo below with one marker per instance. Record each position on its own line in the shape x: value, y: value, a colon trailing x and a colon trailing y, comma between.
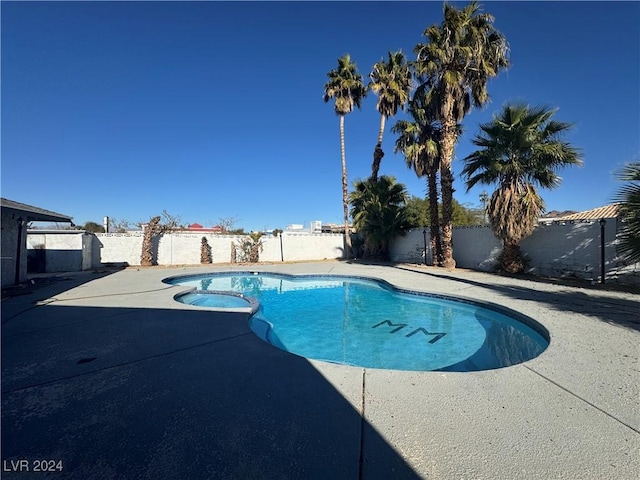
x: 184, y: 248
x: 559, y: 250
x: 473, y: 247
x: 298, y: 247
x: 476, y: 248
x: 65, y: 251
x: 567, y: 250
x: 410, y: 248
x: 117, y: 248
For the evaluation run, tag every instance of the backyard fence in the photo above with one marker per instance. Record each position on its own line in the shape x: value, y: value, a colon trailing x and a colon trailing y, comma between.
x: 184, y: 248
x: 557, y: 250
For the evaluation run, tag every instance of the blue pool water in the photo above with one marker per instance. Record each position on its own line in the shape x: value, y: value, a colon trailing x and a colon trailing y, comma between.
x: 367, y: 323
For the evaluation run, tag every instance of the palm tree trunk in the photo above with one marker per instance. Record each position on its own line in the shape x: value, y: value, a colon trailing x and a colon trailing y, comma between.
x: 446, y: 183
x: 434, y: 219
x: 150, y: 232
x: 345, y: 193
x: 511, y: 259
x: 383, y: 119
x: 377, y: 152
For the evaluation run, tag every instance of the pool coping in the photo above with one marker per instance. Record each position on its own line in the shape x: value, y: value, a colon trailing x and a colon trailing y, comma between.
x: 251, y: 309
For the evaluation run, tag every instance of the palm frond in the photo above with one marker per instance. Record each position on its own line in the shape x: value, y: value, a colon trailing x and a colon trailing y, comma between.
x: 345, y: 86
x: 521, y: 148
x: 629, y: 197
x: 379, y: 211
x: 392, y: 81
x: 462, y: 52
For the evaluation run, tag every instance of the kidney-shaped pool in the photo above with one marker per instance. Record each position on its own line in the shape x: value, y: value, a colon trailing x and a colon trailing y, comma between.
x: 369, y: 323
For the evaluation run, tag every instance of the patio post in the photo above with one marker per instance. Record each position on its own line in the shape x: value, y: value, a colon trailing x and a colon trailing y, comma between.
x: 424, y: 235
x: 602, y: 222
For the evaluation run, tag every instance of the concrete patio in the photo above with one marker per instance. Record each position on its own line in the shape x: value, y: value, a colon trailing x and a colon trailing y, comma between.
x: 105, y: 372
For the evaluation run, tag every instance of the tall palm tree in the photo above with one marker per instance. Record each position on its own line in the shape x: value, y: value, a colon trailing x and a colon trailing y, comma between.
x: 391, y: 81
x: 418, y: 141
x: 345, y: 86
x: 521, y: 149
x: 379, y: 213
x: 629, y: 198
x: 453, y: 68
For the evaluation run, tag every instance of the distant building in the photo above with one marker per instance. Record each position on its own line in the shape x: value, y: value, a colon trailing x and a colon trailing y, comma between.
x: 294, y: 227
x: 315, y: 226
x: 335, y: 228
x: 593, y: 215
x: 196, y: 227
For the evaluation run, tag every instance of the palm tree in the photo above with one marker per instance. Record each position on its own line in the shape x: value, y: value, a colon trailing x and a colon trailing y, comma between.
x: 391, y: 81
x: 453, y: 68
x: 521, y: 148
x: 205, y: 252
x: 378, y: 211
x: 629, y: 198
x: 345, y: 86
x: 484, y: 200
x: 151, y: 230
x: 418, y: 141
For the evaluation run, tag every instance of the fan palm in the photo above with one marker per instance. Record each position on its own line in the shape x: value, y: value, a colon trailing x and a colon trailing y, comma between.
x: 378, y: 211
x: 521, y: 148
x: 345, y: 86
x: 453, y: 68
x: 391, y: 81
x: 629, y: 208
x: 418, y: 141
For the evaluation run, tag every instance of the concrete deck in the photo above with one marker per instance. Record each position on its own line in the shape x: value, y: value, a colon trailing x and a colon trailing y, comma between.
x: 108, y: 374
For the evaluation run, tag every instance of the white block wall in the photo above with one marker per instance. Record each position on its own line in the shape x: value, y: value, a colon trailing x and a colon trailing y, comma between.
x: 184, y: 248
x: 55, y: 241
x: 571, y: 250
x: 568, y: 250
x: 271, y: 248
x: 476, y: 248
x: 321, y: 246
x: 410, y: 248
x: 65, y: 251
x: 473, y: 247
x: 117, y: 248
x: 559, y: 250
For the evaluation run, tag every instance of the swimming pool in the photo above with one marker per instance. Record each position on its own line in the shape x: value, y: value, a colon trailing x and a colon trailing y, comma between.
x: 369, y: 323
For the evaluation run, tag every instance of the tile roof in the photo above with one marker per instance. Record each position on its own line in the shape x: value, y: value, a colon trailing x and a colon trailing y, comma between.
x: 608, y: 211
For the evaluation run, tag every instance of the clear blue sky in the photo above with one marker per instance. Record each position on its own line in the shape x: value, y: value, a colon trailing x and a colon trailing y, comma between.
x: 212, y: 110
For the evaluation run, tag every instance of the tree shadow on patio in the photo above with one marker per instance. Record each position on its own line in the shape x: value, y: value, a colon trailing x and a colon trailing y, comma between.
x: 616, y: 311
